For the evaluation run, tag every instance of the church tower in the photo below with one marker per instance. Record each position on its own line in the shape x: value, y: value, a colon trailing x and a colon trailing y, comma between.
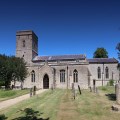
x: 26, y: 45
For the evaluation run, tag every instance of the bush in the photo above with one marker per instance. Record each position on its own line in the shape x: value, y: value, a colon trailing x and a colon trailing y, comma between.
x: 2, y: 83
x: 111, y: 82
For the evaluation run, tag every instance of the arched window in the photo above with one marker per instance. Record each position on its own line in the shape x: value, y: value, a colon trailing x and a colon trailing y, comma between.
x: 62, y: 75
x: 106, y: 72
x: 75, y: 76
x: 99, y: 73
x: 33, y: 76
x: 23, y: 43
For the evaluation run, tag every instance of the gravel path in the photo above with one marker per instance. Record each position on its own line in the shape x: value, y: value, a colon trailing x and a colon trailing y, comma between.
x: 10, y: 102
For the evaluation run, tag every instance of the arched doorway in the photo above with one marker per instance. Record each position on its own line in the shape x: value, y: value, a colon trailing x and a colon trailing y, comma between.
x: 46, y: 82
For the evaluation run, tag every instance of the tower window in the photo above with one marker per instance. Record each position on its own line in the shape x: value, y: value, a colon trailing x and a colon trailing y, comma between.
x: 99, y: 73
x: 62, y: 75
x: 33, y: 76
x: 75, y: 76
x: 23, y: 43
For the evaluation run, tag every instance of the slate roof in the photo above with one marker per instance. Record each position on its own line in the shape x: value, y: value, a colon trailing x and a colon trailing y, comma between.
x: 60, y: 57
x: 102, y: 60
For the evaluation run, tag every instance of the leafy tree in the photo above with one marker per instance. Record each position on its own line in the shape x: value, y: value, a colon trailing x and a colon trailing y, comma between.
x: 100, y: 53
x: 118, y: 48
x: 12, y: 69
x: 20, y: 70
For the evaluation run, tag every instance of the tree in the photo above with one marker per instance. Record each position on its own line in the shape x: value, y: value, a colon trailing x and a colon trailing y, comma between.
x: 12, y: 69
x: 118, y: 48
x: 20, y: 70
x: 118, y: 67
x: 100, y: 53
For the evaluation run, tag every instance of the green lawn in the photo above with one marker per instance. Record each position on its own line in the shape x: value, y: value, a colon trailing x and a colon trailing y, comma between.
x: 60, y: 105
x: 8, y: 94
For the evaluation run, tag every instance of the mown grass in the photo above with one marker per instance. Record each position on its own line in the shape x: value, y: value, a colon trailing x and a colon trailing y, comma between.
x: 46, y: 103
x: 92, y: 106
x: 60, y: 105
x: 8, y: 94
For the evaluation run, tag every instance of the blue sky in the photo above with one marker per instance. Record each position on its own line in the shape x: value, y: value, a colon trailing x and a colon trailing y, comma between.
x: 62, y: 26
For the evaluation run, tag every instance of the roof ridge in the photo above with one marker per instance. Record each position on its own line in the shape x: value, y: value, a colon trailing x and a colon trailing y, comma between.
x: 60, y: 55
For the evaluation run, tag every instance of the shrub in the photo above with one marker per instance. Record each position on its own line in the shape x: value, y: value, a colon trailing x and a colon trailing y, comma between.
x: 111, y: 82
x: 2, y: 83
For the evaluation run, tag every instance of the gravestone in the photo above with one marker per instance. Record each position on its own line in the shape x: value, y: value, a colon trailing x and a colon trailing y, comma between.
x: 34, y: 90
x: 79, y: 90
x: 90, y: 89
x: 30, y: 92
x: 97, y: 92
x: 116, y: 107
x: 94, y: 85
x: 73, y: 90
x: 117, y: 92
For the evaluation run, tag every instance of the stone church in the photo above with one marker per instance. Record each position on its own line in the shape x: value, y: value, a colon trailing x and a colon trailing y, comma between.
x: 62, y: 70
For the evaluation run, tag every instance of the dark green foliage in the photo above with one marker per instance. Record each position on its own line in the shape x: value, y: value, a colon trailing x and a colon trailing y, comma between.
x: 12, y: 68
x: 2, y: 83
x: 111, y: 82
x: 2, y: 117
x: 100, y: 53
x: 118, y: 48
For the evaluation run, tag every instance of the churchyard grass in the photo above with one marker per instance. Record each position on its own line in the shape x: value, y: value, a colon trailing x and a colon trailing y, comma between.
x: 8, y: 94
x: 60, y: 105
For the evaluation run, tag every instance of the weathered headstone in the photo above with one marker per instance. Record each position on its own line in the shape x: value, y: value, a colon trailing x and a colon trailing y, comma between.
x: 97, y: 91
x: 30, y: 92
x: 74, y: 94
x: 117, y: 90
x: 34, y: 90
x: 116, y: 107
x: 79, y: 90
x: 73, y: 91
x: 94, y: 85
x: 90, y: 89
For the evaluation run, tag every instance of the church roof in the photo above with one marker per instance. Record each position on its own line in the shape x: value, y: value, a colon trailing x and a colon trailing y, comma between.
x: 102, y: 60
x: 60, y: 57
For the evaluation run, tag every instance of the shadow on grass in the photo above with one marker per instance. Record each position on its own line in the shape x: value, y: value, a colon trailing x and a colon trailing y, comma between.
x: 3, y: 117
x: 30, y: 114
x: 111, y: 96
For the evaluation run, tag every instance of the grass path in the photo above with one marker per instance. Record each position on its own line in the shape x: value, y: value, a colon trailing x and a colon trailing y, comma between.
x: 13, y: 101
x: 67, y: 108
